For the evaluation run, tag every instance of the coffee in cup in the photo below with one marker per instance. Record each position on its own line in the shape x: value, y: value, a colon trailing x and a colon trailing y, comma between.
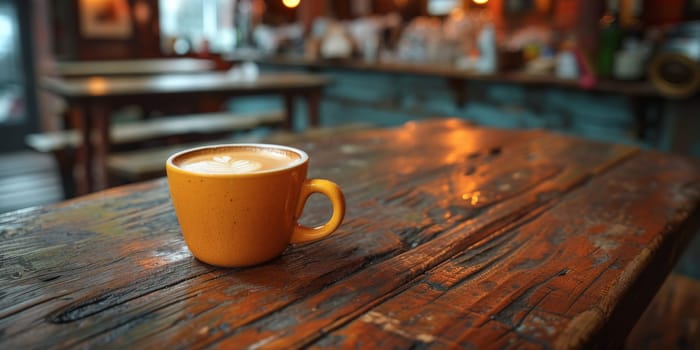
x: 238, y: 204
x: 236, y: 161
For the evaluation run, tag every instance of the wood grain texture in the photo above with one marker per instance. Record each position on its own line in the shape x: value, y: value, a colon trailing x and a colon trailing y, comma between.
x: 454, y: 236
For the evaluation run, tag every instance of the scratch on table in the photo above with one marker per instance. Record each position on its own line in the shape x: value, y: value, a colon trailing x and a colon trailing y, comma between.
x: 392, y: 325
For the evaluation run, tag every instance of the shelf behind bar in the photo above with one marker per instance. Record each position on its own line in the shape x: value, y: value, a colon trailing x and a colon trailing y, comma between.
x: 630, y: 88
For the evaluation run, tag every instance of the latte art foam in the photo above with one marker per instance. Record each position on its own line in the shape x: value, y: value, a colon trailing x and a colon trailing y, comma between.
x: 235, y: 160
x: 223, y: 165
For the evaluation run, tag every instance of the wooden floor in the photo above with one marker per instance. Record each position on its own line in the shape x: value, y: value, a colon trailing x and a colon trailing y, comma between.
x: 28, y: 179
x: 672, y: 321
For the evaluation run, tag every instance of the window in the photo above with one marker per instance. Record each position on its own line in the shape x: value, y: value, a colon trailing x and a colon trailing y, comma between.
x: 441, y: 7
x: 11, y: 76
x: 186, y: 25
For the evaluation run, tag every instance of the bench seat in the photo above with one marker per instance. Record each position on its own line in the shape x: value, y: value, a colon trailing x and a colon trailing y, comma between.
x: 156, y: 128
x: 150, y: 163
x: 148, y: 133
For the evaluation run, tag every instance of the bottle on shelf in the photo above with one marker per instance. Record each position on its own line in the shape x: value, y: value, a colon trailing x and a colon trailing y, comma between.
x: 610, y: 37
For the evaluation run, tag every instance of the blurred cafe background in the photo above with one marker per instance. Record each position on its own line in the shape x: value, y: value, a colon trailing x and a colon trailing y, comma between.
x: 623, y: 71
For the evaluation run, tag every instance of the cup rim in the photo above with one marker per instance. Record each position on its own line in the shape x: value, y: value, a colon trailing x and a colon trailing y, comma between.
x: 302, y: 159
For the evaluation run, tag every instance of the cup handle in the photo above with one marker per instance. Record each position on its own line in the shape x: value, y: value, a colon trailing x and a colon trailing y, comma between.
x: 332, y: 191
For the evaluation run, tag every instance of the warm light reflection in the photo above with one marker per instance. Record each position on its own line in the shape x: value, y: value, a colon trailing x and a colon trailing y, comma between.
x: 291, y: 3
x: 454, y: 123
x: 151, y: 254
x: 156, y: 258
x: 473, y: 197
x: 406, y: 135
x: 456, y: 143
x: 457, y: 13
x: 480, y: 2
x: 97, y: 85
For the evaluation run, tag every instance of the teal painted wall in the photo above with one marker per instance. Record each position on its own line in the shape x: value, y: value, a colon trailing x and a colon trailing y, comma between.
x: 388, y: 99
x: 391, y: 99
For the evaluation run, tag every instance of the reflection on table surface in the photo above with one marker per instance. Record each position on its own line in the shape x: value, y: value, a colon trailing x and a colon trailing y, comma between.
x: 565, y: 245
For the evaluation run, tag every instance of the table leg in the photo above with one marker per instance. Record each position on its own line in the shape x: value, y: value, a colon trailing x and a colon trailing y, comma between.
x: 83, y: 158
x: 313, y: 100
x: 101, y: 118
x: 459, y: 91
x: 648, y: 113
x: 288, y: 111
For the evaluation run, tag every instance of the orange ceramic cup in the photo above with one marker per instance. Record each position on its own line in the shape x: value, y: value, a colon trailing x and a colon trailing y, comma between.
x: 250, y: 216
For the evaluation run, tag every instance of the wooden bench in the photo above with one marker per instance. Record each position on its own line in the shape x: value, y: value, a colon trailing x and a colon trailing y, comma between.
x: 147, y: 133
x: 150, y: 163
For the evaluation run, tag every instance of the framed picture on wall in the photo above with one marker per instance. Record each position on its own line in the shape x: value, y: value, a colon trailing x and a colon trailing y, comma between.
x: 105, y: 19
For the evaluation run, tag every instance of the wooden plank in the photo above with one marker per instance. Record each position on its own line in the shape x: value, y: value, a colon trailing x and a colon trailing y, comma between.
x: 208, y: 82
x: 160, y: 127
x: 99, y: 266
x: 409, y: 142
x: 310, y: 319
x: 487, y: 294
x: 428, y: 202
x: 131, y: 67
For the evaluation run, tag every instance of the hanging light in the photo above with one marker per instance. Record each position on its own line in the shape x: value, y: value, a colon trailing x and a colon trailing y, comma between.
x: 480, y: 2
x: 291, y: 3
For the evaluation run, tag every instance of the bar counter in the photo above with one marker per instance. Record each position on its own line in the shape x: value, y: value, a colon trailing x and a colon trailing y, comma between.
x: 633, y: 88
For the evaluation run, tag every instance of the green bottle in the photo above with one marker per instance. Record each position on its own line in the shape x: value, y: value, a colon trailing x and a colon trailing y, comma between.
x: 609, y: 39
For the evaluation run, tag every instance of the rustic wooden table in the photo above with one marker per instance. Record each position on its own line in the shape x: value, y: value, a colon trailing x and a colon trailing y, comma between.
x: 91, y: 101
x: 455, y: 236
